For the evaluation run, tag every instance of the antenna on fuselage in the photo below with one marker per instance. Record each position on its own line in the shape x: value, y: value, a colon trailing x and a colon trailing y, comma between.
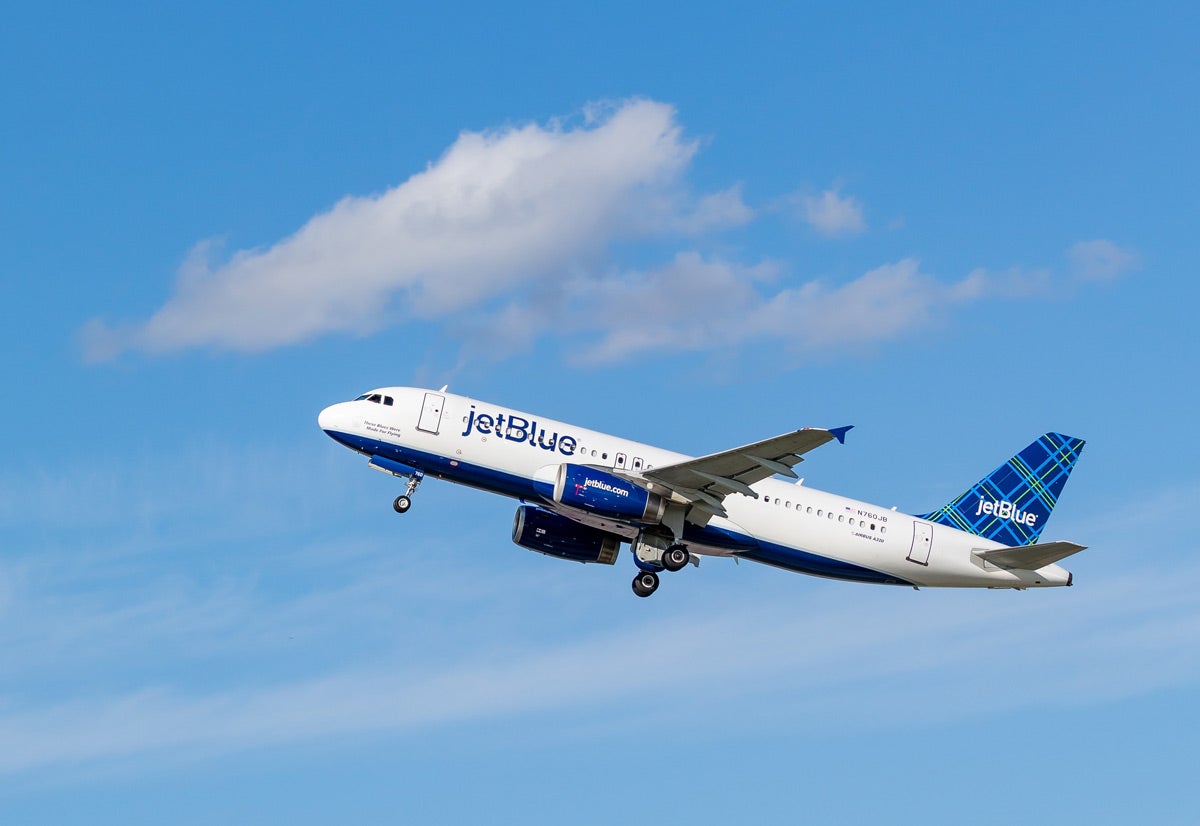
x: 445, y: 387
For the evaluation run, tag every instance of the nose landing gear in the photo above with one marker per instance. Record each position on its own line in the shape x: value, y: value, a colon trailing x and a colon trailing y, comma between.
x: 403, y: 502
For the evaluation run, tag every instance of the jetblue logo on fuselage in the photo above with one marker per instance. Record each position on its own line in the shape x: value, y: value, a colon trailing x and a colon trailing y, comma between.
x: 519, y: 429
x: 1006, y: 510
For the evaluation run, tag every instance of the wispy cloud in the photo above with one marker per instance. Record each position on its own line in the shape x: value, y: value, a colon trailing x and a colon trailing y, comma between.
x: 939, y: 656
x: 832, y: 214
x: 754, y: 303
x: 166, y: 659
x: 497, y: 211
x: 1101, y: 260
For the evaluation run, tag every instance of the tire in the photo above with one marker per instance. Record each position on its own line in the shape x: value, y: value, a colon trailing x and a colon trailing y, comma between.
x: 676, y: 558
x: 402, y: 504
x: 645, y: 583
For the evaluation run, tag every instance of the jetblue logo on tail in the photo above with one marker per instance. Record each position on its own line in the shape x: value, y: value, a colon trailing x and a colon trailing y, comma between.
x: 1006, y: 510
x: 1012, y: 503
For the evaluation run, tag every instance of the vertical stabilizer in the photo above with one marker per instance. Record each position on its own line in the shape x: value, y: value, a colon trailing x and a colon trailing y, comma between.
x: 1012, y: 503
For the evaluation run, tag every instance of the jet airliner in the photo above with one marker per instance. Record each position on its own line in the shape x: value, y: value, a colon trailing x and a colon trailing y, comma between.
x: 583, y: 495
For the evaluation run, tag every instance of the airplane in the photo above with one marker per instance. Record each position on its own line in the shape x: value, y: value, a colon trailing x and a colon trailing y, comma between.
x: 583, y: 494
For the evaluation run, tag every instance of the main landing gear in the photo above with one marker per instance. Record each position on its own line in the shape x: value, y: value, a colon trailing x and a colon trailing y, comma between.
x: 404, y: 501
x: 651, y: 557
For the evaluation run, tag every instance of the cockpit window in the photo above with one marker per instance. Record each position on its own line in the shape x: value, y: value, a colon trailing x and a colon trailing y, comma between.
x: 375, y: 397
x: 387, y: 400
x: 362, y: 397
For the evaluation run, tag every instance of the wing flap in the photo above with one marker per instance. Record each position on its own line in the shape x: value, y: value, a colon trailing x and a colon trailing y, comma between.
x: 1030, y: 557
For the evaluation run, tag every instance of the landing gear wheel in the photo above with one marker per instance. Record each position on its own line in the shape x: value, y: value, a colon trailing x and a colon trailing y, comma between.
x: 676, y: 558
x: 645, y: 583
x: 402, y: 504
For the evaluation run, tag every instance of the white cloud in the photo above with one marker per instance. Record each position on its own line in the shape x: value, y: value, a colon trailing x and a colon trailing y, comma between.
x: 1101, y: 260
x: 504, y: 240
x: 832, y: 214
x: 497, y: 211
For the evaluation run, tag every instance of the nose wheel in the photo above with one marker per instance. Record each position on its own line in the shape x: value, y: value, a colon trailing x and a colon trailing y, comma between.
x: 403, y: 502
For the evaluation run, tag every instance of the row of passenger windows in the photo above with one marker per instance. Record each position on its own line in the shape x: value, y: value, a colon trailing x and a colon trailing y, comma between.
x: 375, y: 397
x: 854, y: 522
x: 620, y: 461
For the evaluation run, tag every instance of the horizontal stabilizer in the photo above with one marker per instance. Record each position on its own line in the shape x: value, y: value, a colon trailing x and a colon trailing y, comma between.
x: 1030, y: 557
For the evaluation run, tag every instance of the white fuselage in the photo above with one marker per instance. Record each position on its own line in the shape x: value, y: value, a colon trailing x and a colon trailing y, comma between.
x: 790, y: 525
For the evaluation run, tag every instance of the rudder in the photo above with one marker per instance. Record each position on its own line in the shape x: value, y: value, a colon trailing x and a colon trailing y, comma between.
x: 1012, y: 503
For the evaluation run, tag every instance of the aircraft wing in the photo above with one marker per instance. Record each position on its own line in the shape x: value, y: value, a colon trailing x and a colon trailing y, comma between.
x: 705, y: 482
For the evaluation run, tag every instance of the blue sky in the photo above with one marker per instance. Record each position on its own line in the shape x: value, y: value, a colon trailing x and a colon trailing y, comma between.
x: 955, y: 228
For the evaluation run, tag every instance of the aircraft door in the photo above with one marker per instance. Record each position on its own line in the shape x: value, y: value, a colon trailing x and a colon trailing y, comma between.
x: 431, y: 413
x: 922, y: 542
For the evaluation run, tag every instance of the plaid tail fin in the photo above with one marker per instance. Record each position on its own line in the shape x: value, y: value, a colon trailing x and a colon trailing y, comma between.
x: 1012, y: 503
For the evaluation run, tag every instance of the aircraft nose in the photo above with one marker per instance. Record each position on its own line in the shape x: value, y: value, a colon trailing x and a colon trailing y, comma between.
x: 327, y: 419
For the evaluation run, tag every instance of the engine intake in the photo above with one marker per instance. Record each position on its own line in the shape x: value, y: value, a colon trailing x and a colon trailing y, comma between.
x: 553, y: 535
x: 599, y: 492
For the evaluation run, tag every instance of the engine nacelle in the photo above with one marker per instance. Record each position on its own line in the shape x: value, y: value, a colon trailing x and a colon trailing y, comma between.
x: 548, y: 533
x: 598, y: 492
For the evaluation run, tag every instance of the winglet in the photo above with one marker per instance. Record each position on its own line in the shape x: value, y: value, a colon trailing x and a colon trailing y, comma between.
x: 839, y: 433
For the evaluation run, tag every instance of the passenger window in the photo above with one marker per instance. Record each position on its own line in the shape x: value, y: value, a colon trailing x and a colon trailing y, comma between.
x: 637, y: 463
x: 787, y: 505
x: 872, y: 526
x: 831, y: 514
x: 882, y: 529
x: 603, y: 455
x: 841, y: 519
x: 820, y: 512
x: 810, y: 508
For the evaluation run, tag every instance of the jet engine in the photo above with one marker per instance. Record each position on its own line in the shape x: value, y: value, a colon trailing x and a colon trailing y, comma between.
x: 599, y: 493
x: 553, y: 535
